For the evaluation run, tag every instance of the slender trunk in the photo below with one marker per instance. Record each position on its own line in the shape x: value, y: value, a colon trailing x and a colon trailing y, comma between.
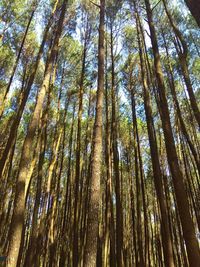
x: 78, y: 156
x: 183, y: 53
x: 181, y: 197
x: 166, y: 238
x: 26, y: 93
x: 17, y: 61
x: 67, y: 201
x: 19, y: 203
x: 109, y: 224
x: 30, y: 255
x: 114, y: 133
x: 138, y: 185
x: 93, y: 226
x: 177, y: 107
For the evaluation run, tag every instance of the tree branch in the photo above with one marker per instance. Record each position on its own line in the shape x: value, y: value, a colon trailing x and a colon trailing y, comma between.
x: 95, y: 4
x: 156, y: 5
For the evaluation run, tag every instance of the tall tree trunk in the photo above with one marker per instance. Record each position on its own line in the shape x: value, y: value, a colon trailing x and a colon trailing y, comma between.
x: 17, y: 60
x: 114, y: 136
x: 183, y: 53
x: 138, y: 185
x: 165, y: 231
x: 178, y: 109
x: 67, y: 201
x: 181, y: 197
x: 25, y: 95
x: 30, y: 254
x: 19, y: 202
x: 91, y: 244
x: 109, y: 224
x: 78, y: 154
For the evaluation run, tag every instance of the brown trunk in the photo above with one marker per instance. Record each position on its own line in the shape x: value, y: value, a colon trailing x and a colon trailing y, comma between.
x: 177, y: 107
x: 67, y: 201
x: 30, y: 255
x: 194, y: 7
x: 114, y: 133
x: 19, y: 203
x: 184, y: 64
x: 78, y: 155
x: 26, y: 92
x: 166, y: 238
x: 110, y: 224
x: 16, y: 62
x: 181, y: 197
x: 84, y: 184
x: 138, y: 186
x: 132, y: 207
x: 93, y: 226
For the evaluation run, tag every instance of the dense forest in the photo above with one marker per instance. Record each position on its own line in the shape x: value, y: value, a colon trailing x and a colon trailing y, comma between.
x: 99, y: 133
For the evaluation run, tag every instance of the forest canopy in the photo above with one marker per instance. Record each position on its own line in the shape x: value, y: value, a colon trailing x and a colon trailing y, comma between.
x: 100, y: 133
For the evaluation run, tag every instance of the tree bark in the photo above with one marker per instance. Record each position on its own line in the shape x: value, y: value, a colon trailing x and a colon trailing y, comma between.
x: 194, y: 7
x: 19, y: 202
x: 166, y: 237
x: 16, y: 62
x: 183, y: 53
x: 181, y: 197
x: 114, y: 136
x: 91, y: 243
x: 78, y: 154
x: 25, y: 95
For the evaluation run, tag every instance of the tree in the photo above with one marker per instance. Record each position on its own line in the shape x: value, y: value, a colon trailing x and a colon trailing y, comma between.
x: 99, y: 136
x: 19, y: 203
x: 194, y: 7
x: 186, y: 220
x: 93, y: 210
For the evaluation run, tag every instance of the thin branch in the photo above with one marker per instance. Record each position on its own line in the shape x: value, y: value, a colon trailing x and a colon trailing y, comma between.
x: 156, y: 5
x: 95, y: 4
